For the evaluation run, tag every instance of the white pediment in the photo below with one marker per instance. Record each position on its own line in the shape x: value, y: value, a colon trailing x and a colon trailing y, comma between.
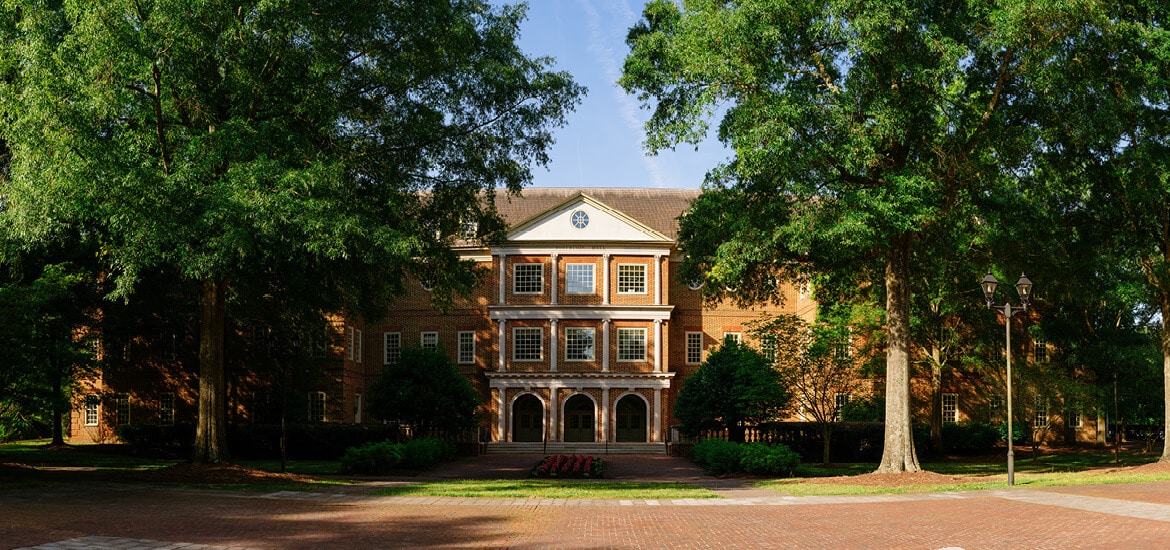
x: 583, y: 218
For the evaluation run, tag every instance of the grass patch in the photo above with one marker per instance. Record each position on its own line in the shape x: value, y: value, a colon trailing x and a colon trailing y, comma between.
x: 301, y: 467
x: 101, y: 457
x: 546, y: 488
x: 270, y: 486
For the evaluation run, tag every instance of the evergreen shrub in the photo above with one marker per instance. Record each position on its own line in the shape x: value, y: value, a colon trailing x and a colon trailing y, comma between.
x: 717, y: 456
x: 765, y: 459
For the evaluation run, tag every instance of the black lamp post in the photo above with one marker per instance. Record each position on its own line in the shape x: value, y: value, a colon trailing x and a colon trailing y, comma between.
x: 1024, y: 287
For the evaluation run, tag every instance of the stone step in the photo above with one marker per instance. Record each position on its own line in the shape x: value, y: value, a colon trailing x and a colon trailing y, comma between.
x: 577, y: 448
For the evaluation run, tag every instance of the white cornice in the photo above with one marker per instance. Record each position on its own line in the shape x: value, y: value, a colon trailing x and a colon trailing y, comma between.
x: 611, y: 312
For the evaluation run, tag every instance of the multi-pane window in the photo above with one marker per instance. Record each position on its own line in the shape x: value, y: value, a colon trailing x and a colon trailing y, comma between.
x: 1040, y: 348
x: 768, y: 347
x: 694, y: 348
x: 839, y: 402
x: 468, y: 229
x: 467, y: 347
x: 429, y: 340
x: 391, y: 347
x: 579, y: 278
x: 166, y: 409
x: 1040, y: 420
x: 578, y: 344
x: 1074, y: 419
x: 121, y: 409
x: 354, y: 353
x: 950, y: 407
x: 528, y: 278
x: 631, y: 344
x: 631, y: 279
x: 734, y: 336
x: 91, y: 410
x: 527, y: 344
x: 316, y: 406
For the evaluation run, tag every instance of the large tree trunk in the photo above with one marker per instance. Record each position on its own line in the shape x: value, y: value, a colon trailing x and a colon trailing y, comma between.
x: 211, y: 429
x: 936, y: 439
x: 898, y: 455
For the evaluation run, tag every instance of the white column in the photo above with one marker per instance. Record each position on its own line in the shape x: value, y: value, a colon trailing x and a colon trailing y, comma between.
x: 554, y: 278
x: 605, y: 346
x: 503, y: 273
x: 657, y: 280
x: 502, y: 417
x: 605, y: 279
x: 554, y: 432
x: 605, y: 419
x: 552, y: 347
x: 656, y: 435
x: 503, y: 339
x: 658, y: 345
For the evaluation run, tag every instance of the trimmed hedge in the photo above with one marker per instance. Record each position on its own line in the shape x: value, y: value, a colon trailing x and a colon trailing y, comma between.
x: 720, y: 457
x: 383, y: 457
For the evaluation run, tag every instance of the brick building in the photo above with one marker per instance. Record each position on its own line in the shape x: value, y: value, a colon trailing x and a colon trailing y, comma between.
x: 582, y: 332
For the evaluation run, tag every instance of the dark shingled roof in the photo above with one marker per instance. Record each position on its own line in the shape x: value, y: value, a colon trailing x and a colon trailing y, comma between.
x: 658, y: 209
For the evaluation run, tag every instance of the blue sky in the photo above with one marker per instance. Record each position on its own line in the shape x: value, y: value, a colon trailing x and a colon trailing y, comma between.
x: 601, y: 145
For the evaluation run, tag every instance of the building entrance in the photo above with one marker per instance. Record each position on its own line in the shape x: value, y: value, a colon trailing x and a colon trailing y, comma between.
x: 527, y: 419
x: 579, y: 420
x: 631, y: 419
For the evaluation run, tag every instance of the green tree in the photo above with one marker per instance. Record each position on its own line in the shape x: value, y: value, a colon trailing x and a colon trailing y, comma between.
x: 736, y: 386
x: 424, y: 389
x: 856, y: 126
x: 44, y: 346
x: 342, y: 142
x: 818, y: 364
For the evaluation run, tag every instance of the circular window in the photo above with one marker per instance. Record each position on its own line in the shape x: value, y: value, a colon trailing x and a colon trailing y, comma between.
x: 695, y: 285
x: 579, y: 219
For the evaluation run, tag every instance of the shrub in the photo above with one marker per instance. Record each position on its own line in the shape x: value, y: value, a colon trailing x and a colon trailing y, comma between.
x: 426, y: 452
x: 970, y: 437
x: 717, y: 457
x: 764, y: 459
x: 570, y: 466
x: 372, y: 458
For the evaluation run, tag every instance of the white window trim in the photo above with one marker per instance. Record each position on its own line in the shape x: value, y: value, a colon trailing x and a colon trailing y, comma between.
x: 422, y: 339
x: 166, y: 408
x: 516, y: 279
x: 592, y: 348
x: 358, y: 345
x: 460, y: 339
x: 92, y: 401
x: 324, y: 406
x: 350, y: 341
x: 645, y: 280
x: 645, y: 344
x: 121, y: 409
x: 592, y: 279
x: 737, y: 335
x: 516, y: 347
x: 687, y: 352
x: 386, y: 347
x: 954, y: 410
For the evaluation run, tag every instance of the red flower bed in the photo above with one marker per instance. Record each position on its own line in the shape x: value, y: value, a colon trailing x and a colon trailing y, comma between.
x: 570, y: 466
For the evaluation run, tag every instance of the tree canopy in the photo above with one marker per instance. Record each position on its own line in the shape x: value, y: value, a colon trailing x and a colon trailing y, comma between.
x: 424, y: 389
x: 336, y: 144
x: 856, y: 127
x: 734, y: 387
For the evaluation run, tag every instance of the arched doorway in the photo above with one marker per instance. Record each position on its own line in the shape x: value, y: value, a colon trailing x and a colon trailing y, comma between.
x: 631, y: 419
x: 527, y: 419
x: 579, y: 419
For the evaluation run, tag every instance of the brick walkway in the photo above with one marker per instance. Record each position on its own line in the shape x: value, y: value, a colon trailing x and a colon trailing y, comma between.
x: 125, y: 517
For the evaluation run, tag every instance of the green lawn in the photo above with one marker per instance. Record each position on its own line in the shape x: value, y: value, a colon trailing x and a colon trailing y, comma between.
x: 546, y: 488
x: 100, y: 457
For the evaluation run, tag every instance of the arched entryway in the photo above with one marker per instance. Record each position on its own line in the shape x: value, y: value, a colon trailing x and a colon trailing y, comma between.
x: 631, y: 419
x: 527, y: 419
x: 580, y: 413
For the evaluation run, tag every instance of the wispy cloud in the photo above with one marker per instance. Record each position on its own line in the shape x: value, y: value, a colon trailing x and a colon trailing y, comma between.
x: 608, y: 22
